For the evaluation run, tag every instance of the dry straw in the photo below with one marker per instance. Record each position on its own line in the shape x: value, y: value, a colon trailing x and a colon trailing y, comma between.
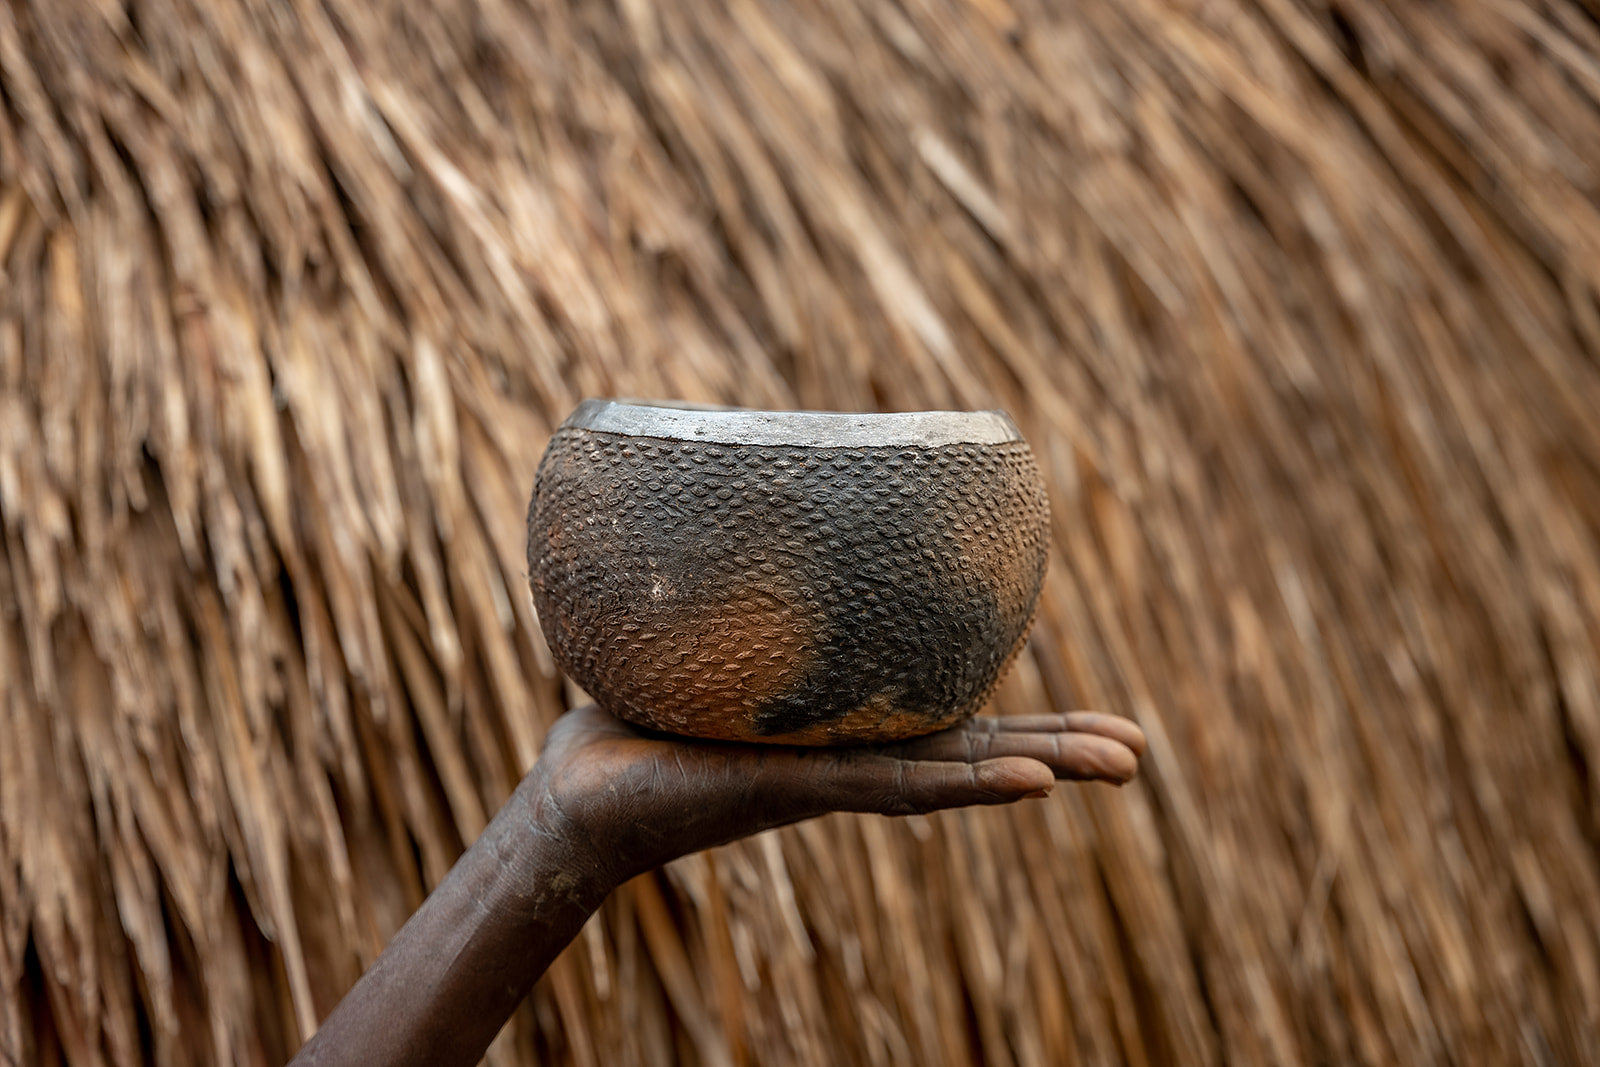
x: 1296, y: 300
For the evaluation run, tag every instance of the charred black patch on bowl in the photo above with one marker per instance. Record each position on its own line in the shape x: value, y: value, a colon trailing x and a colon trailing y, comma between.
x: 807, y: 594
x: 905, y: 625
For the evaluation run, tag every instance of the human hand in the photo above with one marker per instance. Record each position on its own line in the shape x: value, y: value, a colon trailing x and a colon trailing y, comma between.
x: 607, y: 801
x: 635, y: 800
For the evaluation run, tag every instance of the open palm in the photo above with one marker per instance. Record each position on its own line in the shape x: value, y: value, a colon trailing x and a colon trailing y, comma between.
x: 651, y: 798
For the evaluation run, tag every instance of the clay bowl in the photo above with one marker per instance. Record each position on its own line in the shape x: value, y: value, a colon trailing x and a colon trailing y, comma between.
x: 795, y: 577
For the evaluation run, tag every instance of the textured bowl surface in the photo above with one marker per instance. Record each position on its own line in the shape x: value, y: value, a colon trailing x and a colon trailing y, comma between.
x: 792, y: 577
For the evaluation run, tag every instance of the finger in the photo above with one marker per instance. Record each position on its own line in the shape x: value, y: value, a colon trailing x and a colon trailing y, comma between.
x: 891, y: 786
x: 1083, y: 756
x: 1092, y: 722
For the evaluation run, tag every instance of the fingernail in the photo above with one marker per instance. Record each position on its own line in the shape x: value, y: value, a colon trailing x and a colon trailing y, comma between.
x: 1041, y: 793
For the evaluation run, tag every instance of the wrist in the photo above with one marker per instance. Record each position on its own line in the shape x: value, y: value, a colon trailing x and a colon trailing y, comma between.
x: 549, y: 835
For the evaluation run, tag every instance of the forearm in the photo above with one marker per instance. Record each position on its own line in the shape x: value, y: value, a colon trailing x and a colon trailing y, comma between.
x: 452, y: 976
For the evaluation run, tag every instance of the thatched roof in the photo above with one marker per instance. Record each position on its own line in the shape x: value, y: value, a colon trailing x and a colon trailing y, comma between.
x: 1297, y: 300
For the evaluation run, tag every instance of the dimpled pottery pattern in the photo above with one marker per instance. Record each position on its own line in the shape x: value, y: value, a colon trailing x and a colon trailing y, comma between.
x: 803, y: 595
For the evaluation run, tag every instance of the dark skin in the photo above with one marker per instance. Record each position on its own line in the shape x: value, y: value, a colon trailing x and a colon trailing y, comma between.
x: 606, y: 802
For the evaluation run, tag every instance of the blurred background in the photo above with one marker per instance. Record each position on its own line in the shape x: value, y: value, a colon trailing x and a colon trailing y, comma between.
x: 1297, y: 301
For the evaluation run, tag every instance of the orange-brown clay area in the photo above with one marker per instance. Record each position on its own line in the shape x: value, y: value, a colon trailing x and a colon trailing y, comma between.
x: 705, y: 668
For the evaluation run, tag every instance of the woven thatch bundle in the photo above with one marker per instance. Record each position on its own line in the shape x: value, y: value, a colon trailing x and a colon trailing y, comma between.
x: 1297, y: 300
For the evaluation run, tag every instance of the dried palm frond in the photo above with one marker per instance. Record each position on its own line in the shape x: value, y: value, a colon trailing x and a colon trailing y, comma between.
x: 1298, y: 302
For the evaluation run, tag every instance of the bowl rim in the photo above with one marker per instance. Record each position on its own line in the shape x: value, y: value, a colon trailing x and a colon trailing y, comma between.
x: 677, y: 420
